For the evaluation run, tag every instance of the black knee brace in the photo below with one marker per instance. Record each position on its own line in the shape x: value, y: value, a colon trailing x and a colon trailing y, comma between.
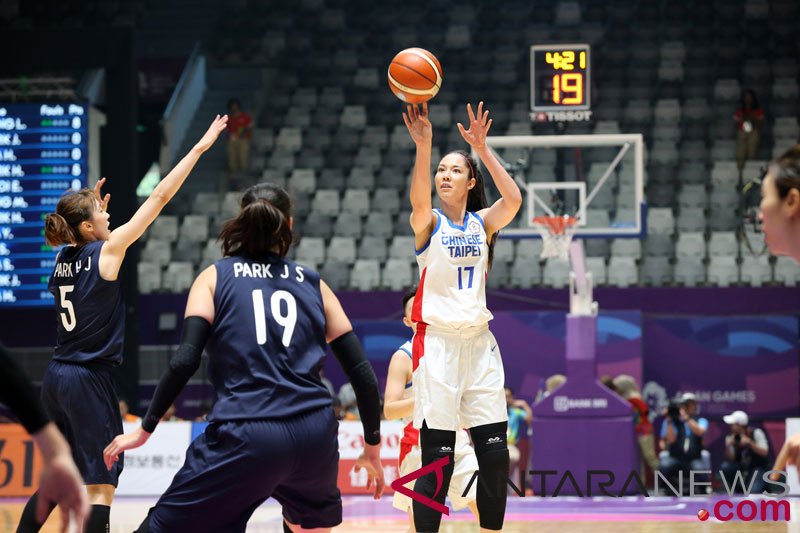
x: 435, y: 444
x: 491, y: 450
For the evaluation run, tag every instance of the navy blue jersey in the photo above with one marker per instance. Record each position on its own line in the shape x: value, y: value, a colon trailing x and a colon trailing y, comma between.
x: 91, y: 313
x: 267, y: 342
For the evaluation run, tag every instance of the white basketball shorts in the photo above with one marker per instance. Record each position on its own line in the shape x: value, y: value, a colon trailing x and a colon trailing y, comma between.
x: 458, y: 376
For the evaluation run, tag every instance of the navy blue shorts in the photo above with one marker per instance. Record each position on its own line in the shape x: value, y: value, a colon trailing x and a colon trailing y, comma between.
x: 235, y: 465
x: 82, y: 401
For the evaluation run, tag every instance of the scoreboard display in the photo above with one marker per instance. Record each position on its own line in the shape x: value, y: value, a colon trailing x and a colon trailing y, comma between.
x: 43, y: 154
x: 560, y: 77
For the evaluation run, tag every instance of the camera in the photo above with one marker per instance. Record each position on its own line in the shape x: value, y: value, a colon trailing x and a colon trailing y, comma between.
x: 674, y: 410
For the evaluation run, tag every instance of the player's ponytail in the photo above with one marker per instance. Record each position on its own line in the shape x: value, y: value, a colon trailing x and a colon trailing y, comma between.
x: 476, y: 198
x: 262, y: 226
x: 786, y: 170
x: 63, y: 226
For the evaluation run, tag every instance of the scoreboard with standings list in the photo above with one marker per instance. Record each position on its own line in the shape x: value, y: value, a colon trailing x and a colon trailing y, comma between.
x: 43, y: 154
x: 560, y: 82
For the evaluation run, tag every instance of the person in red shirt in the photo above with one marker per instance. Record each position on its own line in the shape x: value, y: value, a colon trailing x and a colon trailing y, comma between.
x: 749, y: 119
x: 240, y: 130
x: 627, y: 388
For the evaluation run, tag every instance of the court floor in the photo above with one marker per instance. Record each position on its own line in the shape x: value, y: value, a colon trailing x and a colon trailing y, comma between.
x: 540, y: 515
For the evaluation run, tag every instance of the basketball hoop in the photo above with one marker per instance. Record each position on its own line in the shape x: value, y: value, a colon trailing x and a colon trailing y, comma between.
x: 557, y: 233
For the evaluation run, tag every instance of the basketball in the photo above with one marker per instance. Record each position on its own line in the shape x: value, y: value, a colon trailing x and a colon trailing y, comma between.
x: 415, y: 75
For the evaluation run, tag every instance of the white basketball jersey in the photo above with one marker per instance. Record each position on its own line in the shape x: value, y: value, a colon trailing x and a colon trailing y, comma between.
x: 453, y: 266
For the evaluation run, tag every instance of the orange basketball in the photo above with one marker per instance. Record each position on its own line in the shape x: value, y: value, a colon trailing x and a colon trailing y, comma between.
x: 415, y: 75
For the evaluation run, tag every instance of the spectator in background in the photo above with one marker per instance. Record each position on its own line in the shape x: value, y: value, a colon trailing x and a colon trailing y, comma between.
x: 519, y: 419
x: 682, y: 435
x: 326, y: 382
x: 552, y: 383
x: 240, y: 130
x: 337, y: 409
x: 749, y: 118
x: 626, y: 387
x: 127, y: 416
x: 169, y: 415
x: 609, y: 383
x: 347, y: 397
x: 746, y: 451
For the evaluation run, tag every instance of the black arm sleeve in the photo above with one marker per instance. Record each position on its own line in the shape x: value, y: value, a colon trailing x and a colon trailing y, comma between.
x: 182, y: 366
x: 19, y: 395
x: 350, y: 354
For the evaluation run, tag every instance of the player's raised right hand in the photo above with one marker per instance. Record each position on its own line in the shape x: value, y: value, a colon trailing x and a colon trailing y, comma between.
x: 217, y: 127
x: 419, y: 127
x: 370, y: 460
x: 121, y: 443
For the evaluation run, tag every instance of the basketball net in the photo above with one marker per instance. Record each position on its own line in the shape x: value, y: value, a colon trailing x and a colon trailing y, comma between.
x: 557, y: 233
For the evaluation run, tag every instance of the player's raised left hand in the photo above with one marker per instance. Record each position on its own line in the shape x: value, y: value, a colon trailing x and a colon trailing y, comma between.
x: 103, y: 200
x: 217, y: 127
x: 121, y: 443
x: 370, y: 460
x: 478, y: 127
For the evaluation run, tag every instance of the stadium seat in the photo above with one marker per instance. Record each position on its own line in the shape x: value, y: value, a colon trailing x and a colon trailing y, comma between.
x: 373, y: 248
x: 660, y: 220
x: 755, y: 270
x: 178, y: 277
x: 149, y: 277
x: 722, y: 271
x: 626, y: 248
x: 622, y: 271
x: 556, y: 273
x: 157, y: 252
x: 386, y: 200
x: 397, y: 274
x: 310, y: 250
x: 164, y: 228
x: 204, y: 203
x: 348, y: 225
x: 402, y: 247
x: 691, y: 220
x: 597, y: 266
x: 723, y: 243
x: 303, y: 180
x: 504, y: 251
x: 326, y: 202
x: 194, y: 228
x: 693, y: 196
x: 188, y: 250
x: 525, y: 274
x: 690, y: 271
x: 356, y: 201
x: 786, y: 271
x: 317, y: 225
x: 365, y: 275
x: 498, y: 277
x: 690, y: 244
x: 335, y: 274
x: 342, y: 249
x: 656, y: 272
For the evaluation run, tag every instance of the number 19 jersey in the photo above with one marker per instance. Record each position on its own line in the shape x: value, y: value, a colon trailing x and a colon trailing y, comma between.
x: 453, y: 266
x: 267, y: 342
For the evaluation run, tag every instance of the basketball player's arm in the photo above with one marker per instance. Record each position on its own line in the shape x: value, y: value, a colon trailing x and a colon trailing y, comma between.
x: 422, y: 218
x: 120, y: 239
x: 60, y: 482
x: 789, y: 455
x: 394, y: 405
x: 503, y: 211
x: 348, y: 350
x: 184, y: 363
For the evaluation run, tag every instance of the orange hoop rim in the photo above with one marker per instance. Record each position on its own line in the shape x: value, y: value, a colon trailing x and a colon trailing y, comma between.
x: 557, y: 225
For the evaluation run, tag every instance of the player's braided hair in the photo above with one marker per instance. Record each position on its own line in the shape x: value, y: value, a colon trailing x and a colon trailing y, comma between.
x: 786, y: 170
x: 476, y: 197
x: 262, y: 226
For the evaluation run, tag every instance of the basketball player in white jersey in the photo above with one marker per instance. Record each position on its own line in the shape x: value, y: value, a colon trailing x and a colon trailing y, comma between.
x: 398, y: 402
x: 458, y: 372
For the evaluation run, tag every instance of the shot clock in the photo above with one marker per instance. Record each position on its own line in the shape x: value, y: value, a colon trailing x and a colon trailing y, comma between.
x: 560, y: 81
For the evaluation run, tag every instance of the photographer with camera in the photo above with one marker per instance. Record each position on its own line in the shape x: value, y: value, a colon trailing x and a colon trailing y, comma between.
x: 681, y: 442
x: 746, y: 451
